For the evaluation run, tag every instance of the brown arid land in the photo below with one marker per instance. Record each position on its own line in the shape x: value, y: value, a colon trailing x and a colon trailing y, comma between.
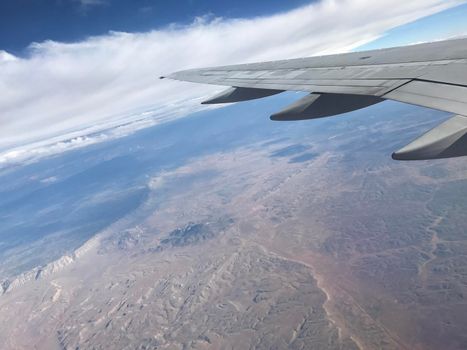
x: 253, y: 251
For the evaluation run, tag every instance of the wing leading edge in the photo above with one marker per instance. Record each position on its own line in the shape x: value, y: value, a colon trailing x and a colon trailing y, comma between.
x: 432, y: 75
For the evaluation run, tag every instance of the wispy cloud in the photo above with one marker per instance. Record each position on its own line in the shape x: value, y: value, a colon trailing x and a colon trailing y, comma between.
x: 61, y: 88
x: 88, y: 3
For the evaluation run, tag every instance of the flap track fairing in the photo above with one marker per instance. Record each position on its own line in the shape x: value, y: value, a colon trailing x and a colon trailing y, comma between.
x: 237, y: 94
x: 447, y: 140
x: 324, y: 105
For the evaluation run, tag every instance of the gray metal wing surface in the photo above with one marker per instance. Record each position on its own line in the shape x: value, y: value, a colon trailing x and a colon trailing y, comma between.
x: 432, y: 75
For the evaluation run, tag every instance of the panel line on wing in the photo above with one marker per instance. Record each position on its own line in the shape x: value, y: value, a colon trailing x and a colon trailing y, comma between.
x: 441, y: 82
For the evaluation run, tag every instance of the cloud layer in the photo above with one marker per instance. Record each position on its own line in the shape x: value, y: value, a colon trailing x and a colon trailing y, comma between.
x: 64, y: 87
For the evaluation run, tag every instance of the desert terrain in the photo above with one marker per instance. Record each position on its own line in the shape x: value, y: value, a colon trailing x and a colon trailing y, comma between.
x: 263, y: 247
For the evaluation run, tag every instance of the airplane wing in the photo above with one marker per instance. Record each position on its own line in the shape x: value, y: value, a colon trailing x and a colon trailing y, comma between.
x: 432, y: 75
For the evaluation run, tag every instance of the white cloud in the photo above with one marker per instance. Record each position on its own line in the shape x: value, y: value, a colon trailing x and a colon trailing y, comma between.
x: 61, y: 88
x: 6, y: 57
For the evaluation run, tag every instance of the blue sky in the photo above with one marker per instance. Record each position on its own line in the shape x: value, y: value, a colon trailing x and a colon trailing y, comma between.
x: 26, y: 21
x: 93, y: 64
x: 446, y: 24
